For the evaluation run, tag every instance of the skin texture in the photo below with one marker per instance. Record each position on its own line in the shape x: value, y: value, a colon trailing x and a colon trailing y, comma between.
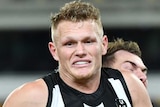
x: 78, y: 47
x: 127, y: 61
x: 32, y: 94
x: 126, y: 55
x: 139, y: 94
x: 79, y: 54
x: 83, y: 55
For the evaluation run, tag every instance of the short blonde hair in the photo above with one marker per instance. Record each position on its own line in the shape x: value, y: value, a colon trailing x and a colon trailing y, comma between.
x: 76, y: 11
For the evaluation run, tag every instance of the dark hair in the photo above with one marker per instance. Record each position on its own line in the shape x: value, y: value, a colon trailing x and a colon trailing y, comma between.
x: 119, y: 44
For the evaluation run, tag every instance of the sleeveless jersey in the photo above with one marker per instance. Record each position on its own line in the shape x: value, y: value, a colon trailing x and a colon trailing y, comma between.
x: 112, y: 92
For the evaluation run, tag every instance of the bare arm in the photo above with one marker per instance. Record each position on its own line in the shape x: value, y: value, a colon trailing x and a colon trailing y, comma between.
x: 139, y: 94
x: 33, y: 94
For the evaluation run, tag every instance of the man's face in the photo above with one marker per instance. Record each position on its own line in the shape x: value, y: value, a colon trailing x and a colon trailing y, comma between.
x: 79, y: 49
x: 126, y: 61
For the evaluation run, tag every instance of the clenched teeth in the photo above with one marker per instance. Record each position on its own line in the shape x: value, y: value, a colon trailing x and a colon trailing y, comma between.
x: 82, y: 62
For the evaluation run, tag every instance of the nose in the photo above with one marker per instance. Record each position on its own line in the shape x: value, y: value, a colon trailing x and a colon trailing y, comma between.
x: 144, y: 80
x: 80, y: 50
x: 143, y: 77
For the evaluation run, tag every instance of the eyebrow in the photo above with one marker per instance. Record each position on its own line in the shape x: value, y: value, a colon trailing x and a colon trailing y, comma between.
x: 134, y: 64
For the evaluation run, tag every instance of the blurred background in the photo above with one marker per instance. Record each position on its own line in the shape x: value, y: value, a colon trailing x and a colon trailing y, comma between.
x: 25, y: 33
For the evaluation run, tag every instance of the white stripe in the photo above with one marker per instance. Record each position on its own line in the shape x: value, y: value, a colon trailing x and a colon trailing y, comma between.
x: 57, y: 100
x: 117, y: 85
x: 101, y: 105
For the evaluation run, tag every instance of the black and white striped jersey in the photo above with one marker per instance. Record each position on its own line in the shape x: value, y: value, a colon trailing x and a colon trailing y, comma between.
x: 112, y: 92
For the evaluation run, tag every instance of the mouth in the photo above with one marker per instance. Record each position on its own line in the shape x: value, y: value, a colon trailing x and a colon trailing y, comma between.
x: 81, y: 63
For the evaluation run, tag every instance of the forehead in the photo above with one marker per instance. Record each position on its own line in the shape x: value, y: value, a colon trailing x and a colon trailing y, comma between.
x: 82, y: 27
x: 123, y: 56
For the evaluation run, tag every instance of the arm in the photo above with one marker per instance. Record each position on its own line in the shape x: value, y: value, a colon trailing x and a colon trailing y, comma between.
x: 33, y: 94
x: 139, y: 94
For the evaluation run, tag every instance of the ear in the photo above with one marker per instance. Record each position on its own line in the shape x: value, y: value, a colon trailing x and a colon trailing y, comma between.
x: 105, y: 44
x: 53, y: 50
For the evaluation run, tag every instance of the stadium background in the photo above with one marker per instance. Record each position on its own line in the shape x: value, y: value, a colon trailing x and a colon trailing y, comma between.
x: 25, y: 33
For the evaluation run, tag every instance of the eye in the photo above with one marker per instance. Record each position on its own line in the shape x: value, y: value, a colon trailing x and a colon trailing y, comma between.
x: 145, y: 71
x: 69, y: 44
x: 128, y: 66
x: 89, y: 41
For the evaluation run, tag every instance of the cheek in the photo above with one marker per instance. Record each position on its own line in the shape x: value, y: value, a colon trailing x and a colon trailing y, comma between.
x: 98, y: 55
x: 126, y: 67
x: 65, y: 54
x: 95, y: 51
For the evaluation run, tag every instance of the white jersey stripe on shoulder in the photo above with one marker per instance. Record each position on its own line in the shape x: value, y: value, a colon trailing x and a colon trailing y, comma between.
x: 57, y: 100
x: 117, y: 85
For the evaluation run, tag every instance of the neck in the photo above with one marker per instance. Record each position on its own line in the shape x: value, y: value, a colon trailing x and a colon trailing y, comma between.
x: 87, y: 86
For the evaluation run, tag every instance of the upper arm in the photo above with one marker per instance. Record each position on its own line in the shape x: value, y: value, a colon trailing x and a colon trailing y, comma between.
x: 138, y: 92
x: 33, y: 94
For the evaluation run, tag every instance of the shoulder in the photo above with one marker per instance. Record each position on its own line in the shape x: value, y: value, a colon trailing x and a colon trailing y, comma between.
x: 28, y: 95
x: 138, y: 92
x: 112, y: 73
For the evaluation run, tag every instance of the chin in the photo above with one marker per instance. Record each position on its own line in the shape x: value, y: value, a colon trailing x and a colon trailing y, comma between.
x: 83, y: 76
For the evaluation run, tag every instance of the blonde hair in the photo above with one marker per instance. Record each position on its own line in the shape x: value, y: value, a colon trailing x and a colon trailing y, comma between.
x: 76, y: 11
